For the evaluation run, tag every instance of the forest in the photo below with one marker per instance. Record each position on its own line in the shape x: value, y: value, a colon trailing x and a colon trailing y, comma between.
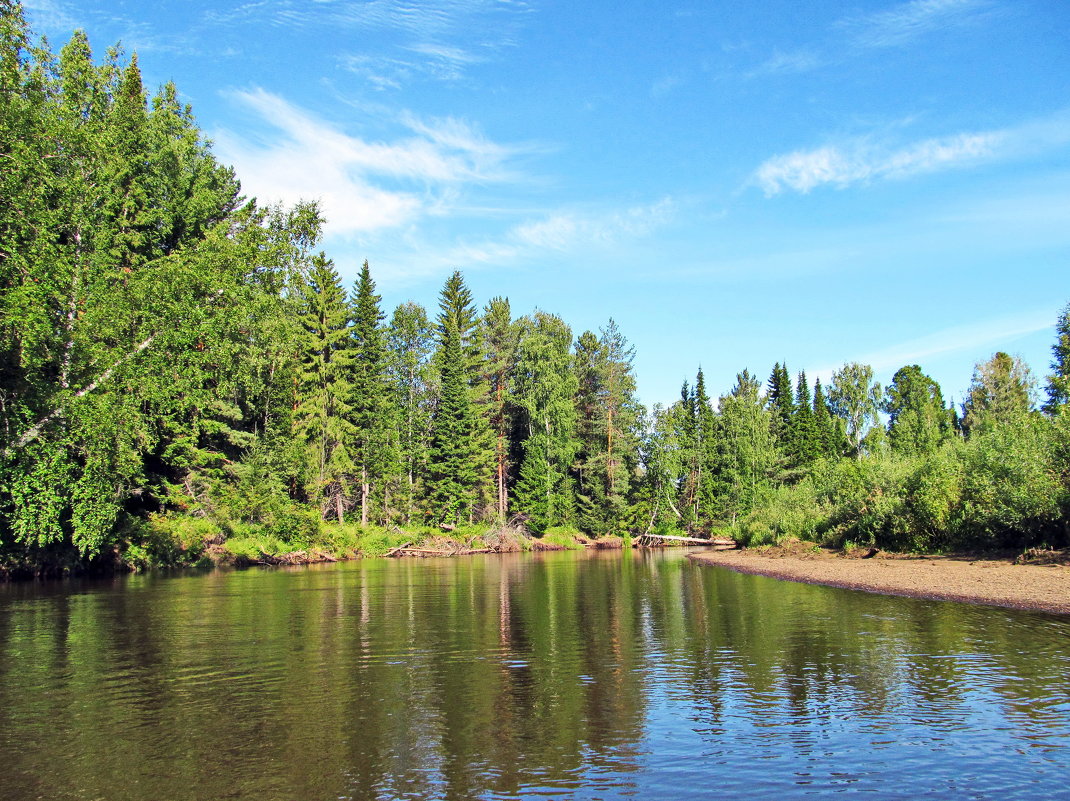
x: 182, y: 367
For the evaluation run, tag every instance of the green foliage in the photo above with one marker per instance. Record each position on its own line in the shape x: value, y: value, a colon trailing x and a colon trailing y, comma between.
x: 918, y: 420
x: 1001, y: 392
x: 855, y: 398
x: 1058, y: 389
x: 783, y: 513
x: 564, y: 537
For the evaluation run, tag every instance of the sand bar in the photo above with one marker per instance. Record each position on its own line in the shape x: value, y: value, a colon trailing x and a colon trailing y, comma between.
x: 971, y: 579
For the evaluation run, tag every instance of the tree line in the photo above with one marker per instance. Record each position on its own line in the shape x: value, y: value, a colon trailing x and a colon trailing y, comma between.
x: 171, y: 351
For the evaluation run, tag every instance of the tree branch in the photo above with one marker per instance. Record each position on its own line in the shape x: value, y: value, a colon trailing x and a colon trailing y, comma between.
x: 35, y: 430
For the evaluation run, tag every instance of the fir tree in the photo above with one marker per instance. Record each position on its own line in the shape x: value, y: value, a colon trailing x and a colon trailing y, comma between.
x: 780, y: 403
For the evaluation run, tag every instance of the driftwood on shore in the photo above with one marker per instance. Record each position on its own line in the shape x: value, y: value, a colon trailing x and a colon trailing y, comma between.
x: 651, y: 540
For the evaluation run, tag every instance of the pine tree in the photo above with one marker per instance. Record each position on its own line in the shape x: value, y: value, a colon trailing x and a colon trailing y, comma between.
x: 372, y: 413
x: 323, y: 407
x: 1058, y: 389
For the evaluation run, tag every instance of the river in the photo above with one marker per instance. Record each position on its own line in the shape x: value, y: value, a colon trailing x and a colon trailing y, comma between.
x: 554, y: 675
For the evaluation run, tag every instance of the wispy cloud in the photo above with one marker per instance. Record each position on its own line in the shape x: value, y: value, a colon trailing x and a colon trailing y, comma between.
x: 50, y: 14
x: 361, y: 185
x: 436, y: 39
x: 997, y: 333
x: 909, y: 21
x: 860, y: 161
x: 786, y: 63
x: 554, y: 233
x: 897, y: 26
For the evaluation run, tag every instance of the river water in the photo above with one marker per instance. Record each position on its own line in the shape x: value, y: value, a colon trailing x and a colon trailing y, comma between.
x: 557, y: 675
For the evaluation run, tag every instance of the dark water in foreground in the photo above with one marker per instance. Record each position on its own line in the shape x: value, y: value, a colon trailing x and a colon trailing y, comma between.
x: 555, y: 675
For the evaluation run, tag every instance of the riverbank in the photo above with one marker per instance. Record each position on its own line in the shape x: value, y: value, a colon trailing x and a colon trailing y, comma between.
x: 1040, y: 581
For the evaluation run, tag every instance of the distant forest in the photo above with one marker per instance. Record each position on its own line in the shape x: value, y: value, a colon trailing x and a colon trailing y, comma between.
x: 179, y: 364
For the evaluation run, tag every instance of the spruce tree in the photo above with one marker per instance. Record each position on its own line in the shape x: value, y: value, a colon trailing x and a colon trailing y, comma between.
x: 1058, y: 389
x: 325, y: 387
x: 451, y: 469
x: 374, y: 450
x: 806, y: 437
x: 781, y: 404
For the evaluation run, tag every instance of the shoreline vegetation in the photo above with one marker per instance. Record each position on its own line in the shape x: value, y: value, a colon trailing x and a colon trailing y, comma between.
x: 1036, y: 580
x: 185, y: 378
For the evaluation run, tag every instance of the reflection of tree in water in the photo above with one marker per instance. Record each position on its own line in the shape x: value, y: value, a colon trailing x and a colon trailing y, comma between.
x: 488, y: 677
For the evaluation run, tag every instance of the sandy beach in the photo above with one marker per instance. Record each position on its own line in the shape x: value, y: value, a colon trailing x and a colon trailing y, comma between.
x: 1041, y: 584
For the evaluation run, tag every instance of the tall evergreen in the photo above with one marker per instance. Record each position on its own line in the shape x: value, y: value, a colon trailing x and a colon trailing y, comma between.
x: 806, y: 438
x: 374, y: 449
x: 323, y: 414
x: 456, y: 305
x: 1001, y: 391
x: 829, y: 434
x: 451, y: 468
x: 779, y: 398
x: 1058, y: 389
x: 696, y: 432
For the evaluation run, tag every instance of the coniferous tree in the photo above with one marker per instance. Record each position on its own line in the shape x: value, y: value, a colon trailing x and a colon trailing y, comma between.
x: 374, y: 441
x: 1058, y: 389
x: 456, y: 304
x: 323, y: 414
x: 780, y: 402
x: 1001, y: 391
x: 807, y: 445
x: 451, y: 469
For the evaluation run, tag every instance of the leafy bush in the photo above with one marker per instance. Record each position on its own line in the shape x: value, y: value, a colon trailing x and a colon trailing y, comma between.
x: 564, y: 536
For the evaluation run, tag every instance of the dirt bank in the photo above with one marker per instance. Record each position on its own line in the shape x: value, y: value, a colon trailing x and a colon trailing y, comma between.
x: 1040, y: 582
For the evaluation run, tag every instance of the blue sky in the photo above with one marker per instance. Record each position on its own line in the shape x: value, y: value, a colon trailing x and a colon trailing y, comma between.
x: 735, y: 184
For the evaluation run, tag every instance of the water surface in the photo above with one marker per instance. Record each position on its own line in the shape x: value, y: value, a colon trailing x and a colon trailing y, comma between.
x: 550, y: 675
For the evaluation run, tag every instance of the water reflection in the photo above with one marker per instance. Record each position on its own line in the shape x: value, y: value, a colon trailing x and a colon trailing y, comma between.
x: 590, y: 675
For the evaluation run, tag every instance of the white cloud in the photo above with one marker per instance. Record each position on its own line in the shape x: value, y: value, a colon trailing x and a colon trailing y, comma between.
x: 50, y: 14
x: 565, y: 231
x: 908, y: 21
x: 361, y: 185
x: 860, y: 161
x: 786, y: 63
x: 996, y: 333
